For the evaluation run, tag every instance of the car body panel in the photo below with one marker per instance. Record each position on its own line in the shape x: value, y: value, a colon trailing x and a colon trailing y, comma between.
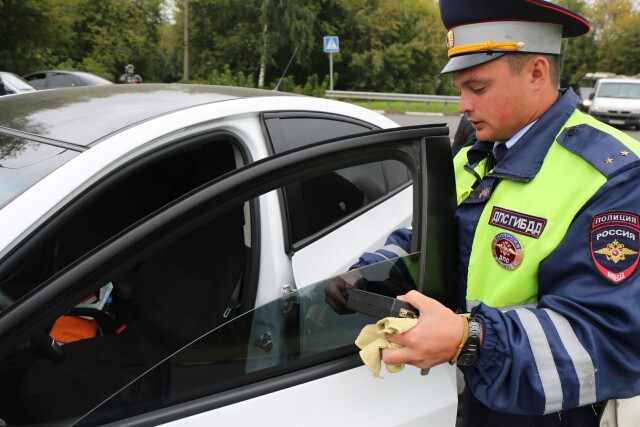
x: 348, y: 404
x: 15, y: 84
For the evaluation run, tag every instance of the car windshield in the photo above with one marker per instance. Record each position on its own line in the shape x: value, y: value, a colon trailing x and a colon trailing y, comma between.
x: 248, y: 349
x: 620, y: 90
x: 24, y: 162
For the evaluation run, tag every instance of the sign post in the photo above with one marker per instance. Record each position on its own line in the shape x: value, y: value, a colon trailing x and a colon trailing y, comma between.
x: 331, y: 45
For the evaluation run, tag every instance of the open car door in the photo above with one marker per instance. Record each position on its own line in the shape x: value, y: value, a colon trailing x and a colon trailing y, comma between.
x: 179, y: 361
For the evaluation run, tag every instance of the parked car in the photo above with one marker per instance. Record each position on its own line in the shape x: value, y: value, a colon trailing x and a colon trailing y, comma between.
x: 15, y: 84
x: 53, y: 79
x: 165, y: 251
x: 616, y: 102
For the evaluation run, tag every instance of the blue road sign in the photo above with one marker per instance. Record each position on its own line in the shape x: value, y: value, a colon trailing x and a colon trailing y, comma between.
x: 331, y: 44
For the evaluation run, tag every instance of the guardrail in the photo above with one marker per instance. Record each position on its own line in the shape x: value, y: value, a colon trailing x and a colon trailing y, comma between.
x: 393, y: 97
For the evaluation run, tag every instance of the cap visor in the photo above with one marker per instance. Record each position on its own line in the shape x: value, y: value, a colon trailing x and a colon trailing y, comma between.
x: 467, y: 61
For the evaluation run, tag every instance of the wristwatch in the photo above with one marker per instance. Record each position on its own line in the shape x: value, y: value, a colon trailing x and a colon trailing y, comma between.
x: 469, y: 353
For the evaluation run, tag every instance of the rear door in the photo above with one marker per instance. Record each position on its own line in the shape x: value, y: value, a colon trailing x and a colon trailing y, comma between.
x: 276, y: 365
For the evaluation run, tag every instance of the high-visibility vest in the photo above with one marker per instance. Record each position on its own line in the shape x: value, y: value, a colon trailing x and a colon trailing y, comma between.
x: 533, y: 218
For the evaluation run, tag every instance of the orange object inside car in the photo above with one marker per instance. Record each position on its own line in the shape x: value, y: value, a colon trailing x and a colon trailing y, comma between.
x: 73, y: 328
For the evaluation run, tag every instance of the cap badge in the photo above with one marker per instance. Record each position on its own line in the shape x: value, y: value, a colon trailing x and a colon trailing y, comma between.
x: 449, y: 39
x: 507, y: 251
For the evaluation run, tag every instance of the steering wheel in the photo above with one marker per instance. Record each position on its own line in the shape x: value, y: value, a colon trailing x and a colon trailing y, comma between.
x: 41, y: 340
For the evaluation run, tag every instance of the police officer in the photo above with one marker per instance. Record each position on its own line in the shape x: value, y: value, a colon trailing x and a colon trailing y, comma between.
x: 549, y: 231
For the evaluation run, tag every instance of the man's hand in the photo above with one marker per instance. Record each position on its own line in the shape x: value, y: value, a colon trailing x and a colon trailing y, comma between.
x: 434, y: 340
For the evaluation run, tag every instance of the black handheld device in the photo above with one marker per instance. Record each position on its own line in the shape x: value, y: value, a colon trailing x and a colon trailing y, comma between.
x: 379, y: 306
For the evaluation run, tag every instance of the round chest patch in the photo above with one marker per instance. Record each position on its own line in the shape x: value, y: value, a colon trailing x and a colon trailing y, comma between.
x: 507, y: 251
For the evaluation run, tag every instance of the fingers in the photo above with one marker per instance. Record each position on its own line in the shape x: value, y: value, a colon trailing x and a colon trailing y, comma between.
x: 404, y: 355
x: 419, y: 301
x: 433, y: 340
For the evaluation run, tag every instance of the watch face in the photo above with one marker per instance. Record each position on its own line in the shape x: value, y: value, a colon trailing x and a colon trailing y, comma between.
x: 467, y: 359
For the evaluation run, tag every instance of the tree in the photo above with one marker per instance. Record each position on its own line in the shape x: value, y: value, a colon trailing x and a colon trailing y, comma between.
x: 34, y: 32
x: 392, y: 46
x: 285, y: 24
x: 113, y: 33
x: 578, y: 54
x: 615, y: 22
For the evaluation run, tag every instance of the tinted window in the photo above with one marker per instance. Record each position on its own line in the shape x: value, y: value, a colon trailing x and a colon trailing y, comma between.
x: 37, y: 80
x: 320, y: 202
x: 317, y: 203
x: 62, y: 80
x: 292, y: 132
x: 244, y: 351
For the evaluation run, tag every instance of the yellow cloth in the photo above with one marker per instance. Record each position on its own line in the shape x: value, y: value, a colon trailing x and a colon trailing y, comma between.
x: 372, y: 339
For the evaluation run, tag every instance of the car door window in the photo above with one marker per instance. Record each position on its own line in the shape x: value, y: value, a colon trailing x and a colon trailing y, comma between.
x: 61, y: 80
x: 246, y: 351
x: 137, y: 190
x: 37, y: 80
x: 324, y: 201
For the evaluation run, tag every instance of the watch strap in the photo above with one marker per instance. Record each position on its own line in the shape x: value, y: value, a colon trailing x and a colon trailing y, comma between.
x: 469, y: 353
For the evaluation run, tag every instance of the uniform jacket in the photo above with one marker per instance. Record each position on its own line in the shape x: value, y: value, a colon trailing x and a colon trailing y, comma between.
x: 549, y: 243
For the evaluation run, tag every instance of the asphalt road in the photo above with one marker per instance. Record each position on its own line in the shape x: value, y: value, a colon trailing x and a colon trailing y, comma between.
x: 452, y: 121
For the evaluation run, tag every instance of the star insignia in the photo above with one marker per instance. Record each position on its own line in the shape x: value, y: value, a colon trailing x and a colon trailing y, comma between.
x: 624, y: 153
x: 608, y: 161
x: 615, y: 252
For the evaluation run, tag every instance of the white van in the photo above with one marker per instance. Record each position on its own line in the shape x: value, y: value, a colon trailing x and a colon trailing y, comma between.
x: 616, y: 102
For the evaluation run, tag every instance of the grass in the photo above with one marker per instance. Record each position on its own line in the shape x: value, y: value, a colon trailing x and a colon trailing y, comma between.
x: 402, y: 107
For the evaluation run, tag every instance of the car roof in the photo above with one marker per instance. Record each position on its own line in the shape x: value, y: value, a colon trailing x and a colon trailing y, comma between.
x: 84, y: 115
x: 629, y: 80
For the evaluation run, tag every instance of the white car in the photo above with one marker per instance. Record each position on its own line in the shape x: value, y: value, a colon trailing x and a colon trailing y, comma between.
x: 165, y: 252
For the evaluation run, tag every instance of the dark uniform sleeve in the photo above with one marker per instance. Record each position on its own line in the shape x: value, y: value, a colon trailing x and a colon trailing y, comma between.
x: 581, y: 344
x: 398, y: 244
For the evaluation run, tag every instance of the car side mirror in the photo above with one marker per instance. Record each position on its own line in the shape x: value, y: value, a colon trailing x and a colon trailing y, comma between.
x: 592, y: 95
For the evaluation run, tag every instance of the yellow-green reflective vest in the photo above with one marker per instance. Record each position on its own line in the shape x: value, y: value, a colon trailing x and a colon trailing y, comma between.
x: 564, y: 183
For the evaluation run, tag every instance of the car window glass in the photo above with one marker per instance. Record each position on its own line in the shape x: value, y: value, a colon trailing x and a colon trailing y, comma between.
x: 246, y: 350
x: 293, y: 132
x: 107, y: 209
x: 24, y: 162
x: 37, y: 80
x: 61, y: 80
x: 320, y: 202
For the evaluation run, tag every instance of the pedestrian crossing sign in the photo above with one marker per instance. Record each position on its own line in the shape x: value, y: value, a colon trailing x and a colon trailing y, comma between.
x: 331, y: 44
